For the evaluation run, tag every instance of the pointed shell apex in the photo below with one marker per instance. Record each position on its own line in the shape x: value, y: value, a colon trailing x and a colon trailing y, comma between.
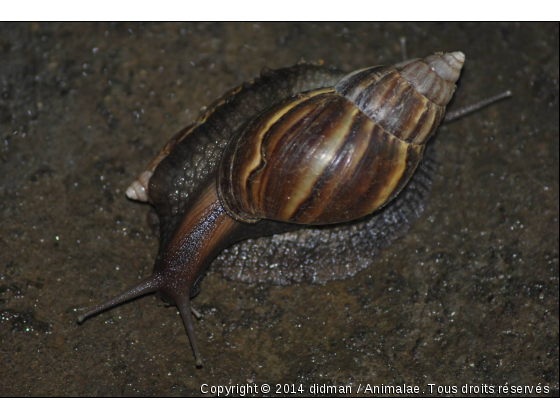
x: 136, y: 191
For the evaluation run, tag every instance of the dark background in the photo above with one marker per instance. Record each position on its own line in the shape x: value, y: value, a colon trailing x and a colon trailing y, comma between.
x: 468, y: 296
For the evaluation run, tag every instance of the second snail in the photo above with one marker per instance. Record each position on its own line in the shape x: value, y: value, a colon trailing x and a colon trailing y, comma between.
x: 303, y: 145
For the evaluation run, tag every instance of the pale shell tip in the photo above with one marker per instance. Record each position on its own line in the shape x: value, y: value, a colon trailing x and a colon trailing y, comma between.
x: 137, y: 191
x: 131, y: 193
x: 459, y: 56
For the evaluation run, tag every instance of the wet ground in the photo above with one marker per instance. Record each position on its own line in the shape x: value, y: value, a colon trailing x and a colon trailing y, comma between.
x: 468, y: 296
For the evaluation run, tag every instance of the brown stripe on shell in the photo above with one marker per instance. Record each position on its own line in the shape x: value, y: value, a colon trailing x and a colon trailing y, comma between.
x: 244, y: 155
x: 413, y: 158
x: 351, y: 85
x: 393, y: 103
x: 296, y: 119
x: 381, y: 169
x: 388, y: 167
x: 427, y: 82
x: 278, y: 151
x: 323, y: 201
x: 248, y: 153
x: 374, y: 99
x: 293, y: 173
x: 435, y: 75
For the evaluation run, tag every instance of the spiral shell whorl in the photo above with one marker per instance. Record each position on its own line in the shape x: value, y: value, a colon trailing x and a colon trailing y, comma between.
x: 447, y: 66
x: 434, y: 76
x: 408, y: 99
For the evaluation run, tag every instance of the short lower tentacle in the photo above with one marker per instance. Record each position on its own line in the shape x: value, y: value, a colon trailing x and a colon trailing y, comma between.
x: 185, y: 310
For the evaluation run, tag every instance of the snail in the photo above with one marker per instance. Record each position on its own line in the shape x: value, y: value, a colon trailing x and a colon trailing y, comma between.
x: 298, y: 146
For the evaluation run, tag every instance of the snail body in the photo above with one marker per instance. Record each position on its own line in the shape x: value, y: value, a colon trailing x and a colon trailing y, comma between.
x: 298, y: 146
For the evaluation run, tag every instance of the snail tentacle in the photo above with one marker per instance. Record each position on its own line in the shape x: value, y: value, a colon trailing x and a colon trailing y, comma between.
x: 185, y: 310
x: 148, y: 285
x: 461, y: 112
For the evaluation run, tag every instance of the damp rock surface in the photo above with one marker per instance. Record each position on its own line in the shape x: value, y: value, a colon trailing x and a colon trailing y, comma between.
x: 469, y: 296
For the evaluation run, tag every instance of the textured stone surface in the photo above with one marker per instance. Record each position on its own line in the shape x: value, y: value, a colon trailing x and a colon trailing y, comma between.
x: 468, y: 296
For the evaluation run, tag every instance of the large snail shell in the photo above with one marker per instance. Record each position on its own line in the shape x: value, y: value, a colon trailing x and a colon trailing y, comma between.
x: 336, y: 154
